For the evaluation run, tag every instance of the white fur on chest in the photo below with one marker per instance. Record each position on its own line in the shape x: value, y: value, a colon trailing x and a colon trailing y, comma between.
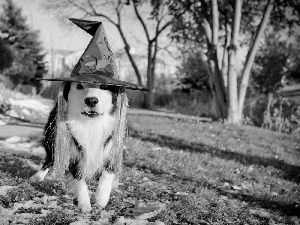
x: 90, y: 133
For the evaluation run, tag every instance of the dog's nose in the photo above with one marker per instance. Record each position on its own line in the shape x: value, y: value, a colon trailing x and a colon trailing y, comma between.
x: 91, y: 102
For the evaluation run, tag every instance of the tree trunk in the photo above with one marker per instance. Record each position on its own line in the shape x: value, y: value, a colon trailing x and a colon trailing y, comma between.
x: 149, y: 100
x: 149, y: 95
x: 234, y: 117
x: 152, y: 53
x: 251, y: 54
x: 218, y: 84
x: 127, y: 49
x: 225, y: 59
x: 215, y: 108
x: 217, y: 79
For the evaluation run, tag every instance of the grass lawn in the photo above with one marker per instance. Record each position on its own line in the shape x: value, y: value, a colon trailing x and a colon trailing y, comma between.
x: 205, y: 173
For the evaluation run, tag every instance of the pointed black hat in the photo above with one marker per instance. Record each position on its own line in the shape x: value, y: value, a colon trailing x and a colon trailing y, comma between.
x: 97, y: 64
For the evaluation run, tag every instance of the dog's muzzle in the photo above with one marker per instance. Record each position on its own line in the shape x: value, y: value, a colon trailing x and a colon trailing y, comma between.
x: 90, y: 113
x: 91, y: 101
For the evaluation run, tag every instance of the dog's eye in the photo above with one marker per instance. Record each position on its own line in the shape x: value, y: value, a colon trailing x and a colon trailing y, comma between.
x: 79, y: 87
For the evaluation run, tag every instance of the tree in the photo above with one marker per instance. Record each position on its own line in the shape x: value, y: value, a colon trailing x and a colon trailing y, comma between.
x: 27, y: 58
x: 276, y: 61
x: 113, y: 12
x: 6, y: 56
x: 193, y: 73
x: 219, y: 24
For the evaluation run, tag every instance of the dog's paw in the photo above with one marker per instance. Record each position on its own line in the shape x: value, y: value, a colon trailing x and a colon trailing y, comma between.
x: 85, y: 207
x: 104, y: 188
x: 102, y: 199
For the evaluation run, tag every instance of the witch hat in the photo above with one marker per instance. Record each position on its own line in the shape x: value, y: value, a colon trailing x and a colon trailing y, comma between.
x: 97, y: 64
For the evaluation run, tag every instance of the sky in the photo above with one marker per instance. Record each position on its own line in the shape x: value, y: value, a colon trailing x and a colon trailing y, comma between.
x: 57, y: 35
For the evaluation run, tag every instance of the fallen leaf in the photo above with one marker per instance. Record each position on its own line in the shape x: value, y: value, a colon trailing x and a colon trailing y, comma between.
x: 250, y: 168
x: 182, y: 193
x: 226, y: 184
x: 259, y: 213
x: 14, y: 139
x: 124, y: 221
x: 5, y: 189
x: 80, y: 221
x: 156, y: 148
x: 107, y: 214
x: 147, y: 210
x: 236, y: 187
x: 145, y: 179
x: 274, y: 193
x: 224, y: 198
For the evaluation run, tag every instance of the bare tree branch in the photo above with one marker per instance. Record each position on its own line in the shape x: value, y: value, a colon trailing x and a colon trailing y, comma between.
x: 165, y: 48
x: 141, y: 20
x: 131, y: 59
x: 92, y: 7
x: 77, y: 5
x: 163, y: 16
x: 207, y: 29
x: 224, y: 66
x: 137, y: 40
x: 215, y: 23
x: 120, y: 6
x: 161, y: 30
x: 251, y: 54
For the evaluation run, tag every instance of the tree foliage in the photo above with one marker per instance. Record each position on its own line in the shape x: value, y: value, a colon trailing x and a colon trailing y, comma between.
x: 221, y: 28
x: 191, y: 14
x: 276, y: 63
x: 27, y: 57
x: 193, y: 73
x: 6, y: 56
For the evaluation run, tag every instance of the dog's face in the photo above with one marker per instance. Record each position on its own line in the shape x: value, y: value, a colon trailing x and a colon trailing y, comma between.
x: 90, y: 101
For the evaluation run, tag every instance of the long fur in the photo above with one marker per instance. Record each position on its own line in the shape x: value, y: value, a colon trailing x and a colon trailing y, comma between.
x: 84, y: 135
x: 90, y: 133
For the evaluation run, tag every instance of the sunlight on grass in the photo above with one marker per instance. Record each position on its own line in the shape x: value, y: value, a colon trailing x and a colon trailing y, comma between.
x: 260, y: 174
x: 203, y: 173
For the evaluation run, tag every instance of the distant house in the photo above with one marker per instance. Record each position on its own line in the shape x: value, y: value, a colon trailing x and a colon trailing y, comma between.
x: 164, y: 72
x: 60, y: 64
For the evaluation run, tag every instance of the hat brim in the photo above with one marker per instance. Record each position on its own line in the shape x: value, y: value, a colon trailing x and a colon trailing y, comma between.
x: 96, y: 79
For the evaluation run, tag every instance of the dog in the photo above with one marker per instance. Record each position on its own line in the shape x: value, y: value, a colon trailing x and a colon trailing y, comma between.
x: 91, y: 117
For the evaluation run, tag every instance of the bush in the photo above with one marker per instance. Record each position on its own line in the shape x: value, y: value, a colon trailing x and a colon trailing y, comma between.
x: 51, y: 91
x: 281, y: 115
x: 136, y: 98
x: 197, y: 103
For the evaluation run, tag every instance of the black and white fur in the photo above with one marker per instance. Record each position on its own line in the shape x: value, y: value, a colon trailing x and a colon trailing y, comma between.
x: 90, y: 120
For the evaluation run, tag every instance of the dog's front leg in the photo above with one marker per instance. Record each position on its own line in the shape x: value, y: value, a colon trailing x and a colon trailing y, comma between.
x: 83, y: 197
x: 104, y: 187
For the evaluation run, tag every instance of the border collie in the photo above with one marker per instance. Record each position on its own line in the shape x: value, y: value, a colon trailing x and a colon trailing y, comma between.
x: 91, y: 115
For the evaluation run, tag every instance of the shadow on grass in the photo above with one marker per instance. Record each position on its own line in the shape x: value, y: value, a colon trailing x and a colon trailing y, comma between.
x: 15, y: 167
x: 291, y: 172
x: 286, y: 208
